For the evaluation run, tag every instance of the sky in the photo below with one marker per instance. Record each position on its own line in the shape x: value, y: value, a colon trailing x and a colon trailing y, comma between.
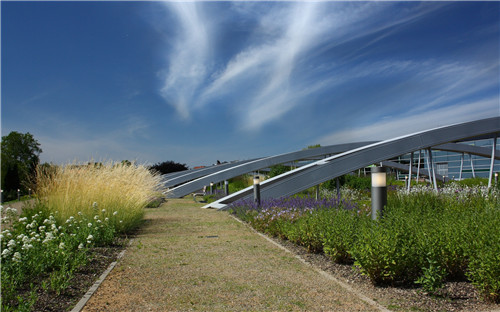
x: 197, y: 82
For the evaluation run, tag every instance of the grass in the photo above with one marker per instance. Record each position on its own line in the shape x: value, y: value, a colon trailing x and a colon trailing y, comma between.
x: 84, y: 189
x: 187, y: 258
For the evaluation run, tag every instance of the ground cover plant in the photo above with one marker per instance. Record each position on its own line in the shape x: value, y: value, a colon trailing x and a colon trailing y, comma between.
x: 78, y: 208
x: 424, y: 238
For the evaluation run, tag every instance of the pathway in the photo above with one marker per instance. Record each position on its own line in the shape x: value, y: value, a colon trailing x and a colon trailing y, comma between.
x: 191, y: 259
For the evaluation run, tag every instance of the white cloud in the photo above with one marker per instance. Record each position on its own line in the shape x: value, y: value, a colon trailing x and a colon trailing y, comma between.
x: 189, y: 58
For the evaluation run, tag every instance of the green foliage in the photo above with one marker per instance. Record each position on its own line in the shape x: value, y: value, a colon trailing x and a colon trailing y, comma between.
x: 239, y: 183
x: 38, y: 247
x: 341, y: 234
x: 432, y: 275
x: 312, y: 146
x: 20, y: 156
x: 484, y: 265
x: 276, y: 170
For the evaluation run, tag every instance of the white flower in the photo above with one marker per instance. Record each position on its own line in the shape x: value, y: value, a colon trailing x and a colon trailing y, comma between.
x: 121, y: 221
x: 98, y: 221
x: 53, y: 227
x: 90, y: 237
x: 41, y: 228
x: 23, y: 219
x: 89, y: 225
x: 48, y: 238
x: 6, y: 252
x: 16, y: 257
x: 80, y: 213
x: 94, y: 205
x: 106, y: 219
x: 96, y: 217
x: 80, y: 246
x: 115, y: 213
x: 27, y: 246
x: 104, y: 210
x: 61, y: 245
x: 1, y: 236
x: 11, y: 243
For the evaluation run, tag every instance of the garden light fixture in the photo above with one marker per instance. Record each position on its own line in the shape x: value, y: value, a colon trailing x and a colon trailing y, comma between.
x: 379, y: 190
x: 256, y: 190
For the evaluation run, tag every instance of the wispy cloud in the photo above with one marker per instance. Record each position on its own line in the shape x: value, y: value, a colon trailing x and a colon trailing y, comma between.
x: 392, y: 127
x: 291, y: 55
x: 189, y: 58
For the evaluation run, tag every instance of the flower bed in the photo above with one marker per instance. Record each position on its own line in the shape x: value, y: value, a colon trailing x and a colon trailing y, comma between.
x: 424, y: 238
x: 49, y: 241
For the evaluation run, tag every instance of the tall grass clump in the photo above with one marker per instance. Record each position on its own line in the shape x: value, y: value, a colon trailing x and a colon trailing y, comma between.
x: 118, y: 190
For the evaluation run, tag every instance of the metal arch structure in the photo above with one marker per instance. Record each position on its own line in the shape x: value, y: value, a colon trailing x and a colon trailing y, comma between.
x: 255, y: 165
x: 186, y: 176
x: 310, y: 175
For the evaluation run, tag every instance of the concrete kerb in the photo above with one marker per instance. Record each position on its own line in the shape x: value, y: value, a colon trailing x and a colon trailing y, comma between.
x: 81, y: 304
x: 325, y: 274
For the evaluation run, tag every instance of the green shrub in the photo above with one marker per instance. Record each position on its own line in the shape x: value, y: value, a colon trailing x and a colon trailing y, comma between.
x: 340, y: 233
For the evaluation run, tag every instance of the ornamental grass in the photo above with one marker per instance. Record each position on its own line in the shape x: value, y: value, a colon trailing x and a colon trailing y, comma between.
x: 113, y: 189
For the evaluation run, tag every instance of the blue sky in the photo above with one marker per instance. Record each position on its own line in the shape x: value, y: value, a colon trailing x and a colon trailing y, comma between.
x: 197, y: 82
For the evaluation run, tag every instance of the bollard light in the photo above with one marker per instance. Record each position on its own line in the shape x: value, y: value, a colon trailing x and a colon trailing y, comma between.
x: 379, y: 191
x: 496, y: 178
x: 211, y: 187
x: 256, y: 190
x: 226, y: 187
x: 18, y: 194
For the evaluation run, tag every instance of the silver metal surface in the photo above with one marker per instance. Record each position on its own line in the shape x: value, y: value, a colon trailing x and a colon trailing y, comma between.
x: 310, y: 175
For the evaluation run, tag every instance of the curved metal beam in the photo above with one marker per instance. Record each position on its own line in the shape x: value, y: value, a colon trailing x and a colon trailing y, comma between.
x: 226, y: 174
x: 197, y: 173
x: 308, y: 176
x: 469, y: 149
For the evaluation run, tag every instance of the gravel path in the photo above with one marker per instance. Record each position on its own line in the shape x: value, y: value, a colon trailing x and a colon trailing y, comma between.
x: 191, y: 259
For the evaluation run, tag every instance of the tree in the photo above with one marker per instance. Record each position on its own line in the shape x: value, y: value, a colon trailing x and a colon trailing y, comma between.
x: 20, y: 156
x: 168, y: 167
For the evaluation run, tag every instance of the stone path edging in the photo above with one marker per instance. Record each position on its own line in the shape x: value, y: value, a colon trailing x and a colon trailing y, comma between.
x: 81, y: 304
x: 323, y: 273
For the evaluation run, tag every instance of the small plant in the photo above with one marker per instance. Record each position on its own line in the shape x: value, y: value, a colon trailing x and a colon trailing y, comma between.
x: 433, y: 275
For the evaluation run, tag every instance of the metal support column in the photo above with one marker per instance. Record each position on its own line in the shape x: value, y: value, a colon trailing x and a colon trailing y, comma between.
x: 461, y: 166
x: 418, y: 166
x: 410, y: 171
x: 492, y: 165
x: 472, y: 166
x: 429, y: 172
x: 433, y: 171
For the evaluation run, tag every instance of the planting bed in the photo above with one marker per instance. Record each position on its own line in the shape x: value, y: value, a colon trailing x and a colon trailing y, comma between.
x: 83, y: 279
x: 455, y: 296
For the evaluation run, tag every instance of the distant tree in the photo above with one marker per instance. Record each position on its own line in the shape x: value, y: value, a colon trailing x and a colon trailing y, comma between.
x: 20, y: 156
x: 312, y: 146
x: 277, y: 170
x: 168, y: 167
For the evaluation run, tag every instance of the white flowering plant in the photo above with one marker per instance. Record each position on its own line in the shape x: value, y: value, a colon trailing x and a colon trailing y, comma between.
x: 36, y: 243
